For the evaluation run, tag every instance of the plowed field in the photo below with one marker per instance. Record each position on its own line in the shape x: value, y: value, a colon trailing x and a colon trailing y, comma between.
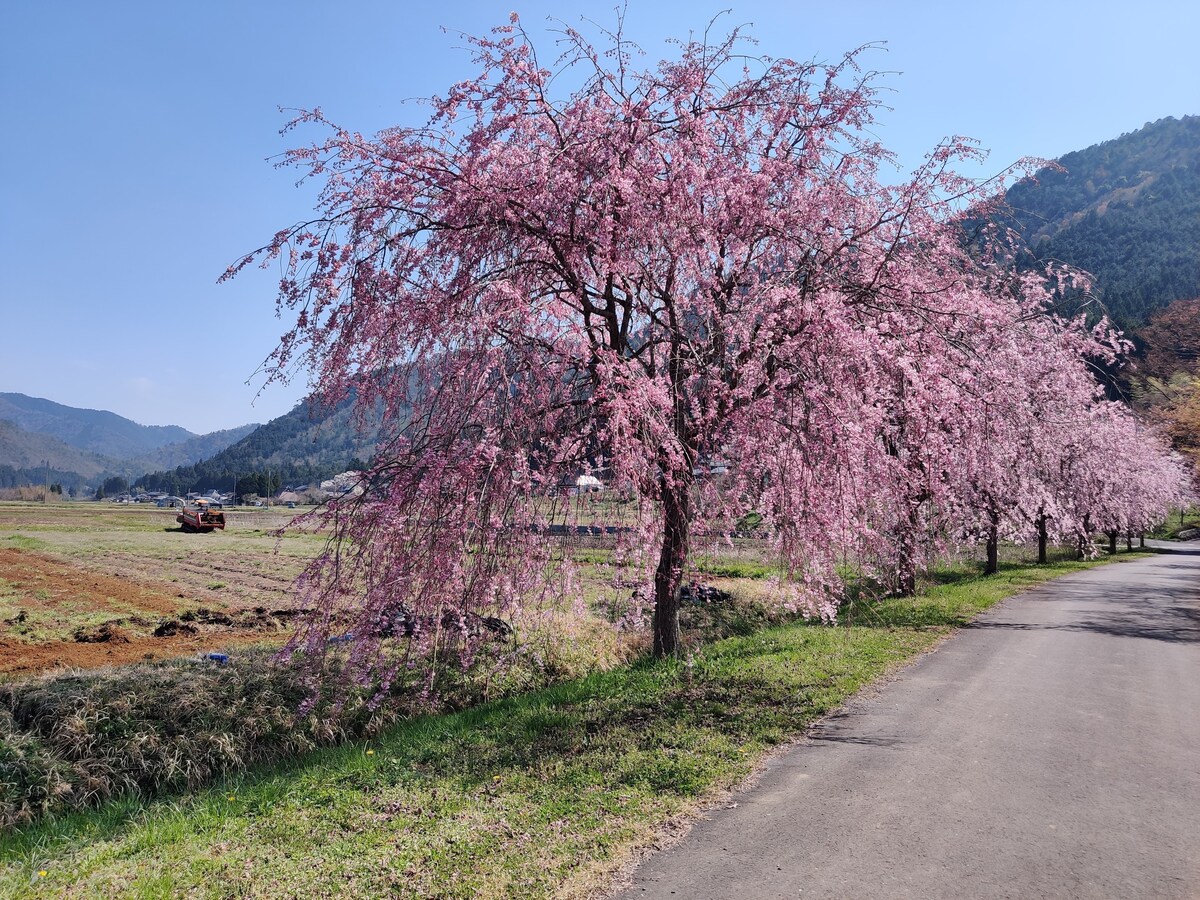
x: 91, y: 584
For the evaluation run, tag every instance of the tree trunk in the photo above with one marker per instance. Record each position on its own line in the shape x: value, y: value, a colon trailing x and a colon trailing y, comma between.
x: 1112, y: 542
x: 906, y: 570
x: 1142, y: 540
x: 1129, y: 541
x: 906, y: 577
x: 1042, y: 539
x: 676, y: 501
x: 993, y: 549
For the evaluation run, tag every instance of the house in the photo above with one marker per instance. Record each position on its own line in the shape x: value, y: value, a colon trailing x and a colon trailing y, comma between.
x: 582, y: 484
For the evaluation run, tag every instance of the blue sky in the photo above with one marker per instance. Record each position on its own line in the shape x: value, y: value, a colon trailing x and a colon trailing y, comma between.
x: 137, y: 137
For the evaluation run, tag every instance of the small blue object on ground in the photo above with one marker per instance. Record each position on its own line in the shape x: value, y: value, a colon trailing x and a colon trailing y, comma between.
x: 219, y: 658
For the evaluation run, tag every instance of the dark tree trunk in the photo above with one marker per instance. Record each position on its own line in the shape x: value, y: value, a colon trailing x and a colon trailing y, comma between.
x: 1112, y: 542
x: 1129, y: 541
x: 906, y: 570
x: 1042, y: 539
x: 676, y: 501
x: 906, y: 577
x: 993, y: 549
x: 1142, y: 540
x: 1085, y: 537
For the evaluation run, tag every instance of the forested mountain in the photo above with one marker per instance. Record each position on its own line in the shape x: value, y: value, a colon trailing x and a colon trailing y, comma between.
x: 1126, y: 210
x: 41, y: 441
x: 27, y: 457
x: 94, y: 430
x: 193, y: 450
x: 29, y: 450
x: 303, y: 446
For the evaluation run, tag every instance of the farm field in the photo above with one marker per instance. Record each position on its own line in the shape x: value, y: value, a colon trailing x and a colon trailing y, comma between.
x: 85, y: 585
x: 93, y: 584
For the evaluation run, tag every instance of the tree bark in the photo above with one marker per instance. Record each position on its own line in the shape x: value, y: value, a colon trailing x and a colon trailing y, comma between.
x: 906, y: 577
x: 906, y: 570
x: 1142, y: 540
x: 1042, y: 539
x: 1112, y: 542
x: 1129, y: 541
x: 676, y: 501
x: 993, y: 549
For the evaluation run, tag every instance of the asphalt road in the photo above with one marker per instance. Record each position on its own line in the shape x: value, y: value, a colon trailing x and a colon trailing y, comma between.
x: 1052, y: 749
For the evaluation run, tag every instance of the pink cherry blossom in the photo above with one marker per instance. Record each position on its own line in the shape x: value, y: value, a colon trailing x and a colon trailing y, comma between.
x: 660, y: 270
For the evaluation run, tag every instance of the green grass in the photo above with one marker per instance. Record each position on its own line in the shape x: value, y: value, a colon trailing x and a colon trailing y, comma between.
x: 22, y: 542
x: 544, y: 794
x: 722, y: 567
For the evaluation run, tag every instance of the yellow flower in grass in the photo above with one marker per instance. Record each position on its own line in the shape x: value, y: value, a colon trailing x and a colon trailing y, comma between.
x: 42, y: 873
x: 370, y: 752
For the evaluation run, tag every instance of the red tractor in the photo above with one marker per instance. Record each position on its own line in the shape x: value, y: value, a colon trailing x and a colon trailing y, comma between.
x: 198, y: 516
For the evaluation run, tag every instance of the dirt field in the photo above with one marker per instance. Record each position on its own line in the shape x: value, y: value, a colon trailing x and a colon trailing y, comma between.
x: 93, y: 584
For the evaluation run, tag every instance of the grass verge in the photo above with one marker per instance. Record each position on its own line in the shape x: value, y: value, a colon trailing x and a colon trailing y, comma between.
x: 540, y: 795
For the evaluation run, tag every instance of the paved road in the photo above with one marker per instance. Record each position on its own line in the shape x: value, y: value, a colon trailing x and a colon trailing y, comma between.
x: 1050, y: 750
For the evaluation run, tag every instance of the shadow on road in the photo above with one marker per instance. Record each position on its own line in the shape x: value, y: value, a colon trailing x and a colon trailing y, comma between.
x: 1151, y: 611
x: 1174, y: 547
x: 1185, y: 629
x: 840, y: 728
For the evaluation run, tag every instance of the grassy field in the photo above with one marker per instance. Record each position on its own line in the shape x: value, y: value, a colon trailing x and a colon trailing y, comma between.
x: 548, y: 794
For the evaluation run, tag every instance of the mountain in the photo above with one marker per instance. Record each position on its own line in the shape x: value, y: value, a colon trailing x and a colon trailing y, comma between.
x: 94, y: 430
x: 27, y: 457
x: 193, y: 450
x: 1126, y: 210
x: 306, y: 445
x: 41, y: 441
x: 30, y: 450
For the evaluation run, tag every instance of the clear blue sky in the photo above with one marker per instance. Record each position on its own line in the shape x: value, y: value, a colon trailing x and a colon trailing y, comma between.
x: 136, y: 137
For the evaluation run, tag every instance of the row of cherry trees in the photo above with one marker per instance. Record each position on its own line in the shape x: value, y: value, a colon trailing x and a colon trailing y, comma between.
x: 695, y: 280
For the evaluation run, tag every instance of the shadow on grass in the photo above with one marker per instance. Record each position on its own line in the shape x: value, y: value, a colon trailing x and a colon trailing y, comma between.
x: 953, y: 576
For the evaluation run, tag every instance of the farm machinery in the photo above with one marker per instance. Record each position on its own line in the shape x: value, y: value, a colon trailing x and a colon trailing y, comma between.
x: 199, y: 516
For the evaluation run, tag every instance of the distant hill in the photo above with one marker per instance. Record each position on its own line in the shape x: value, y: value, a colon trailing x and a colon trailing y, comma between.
x: 1126, y: 210
x: 94, y: 430
x: 29, y: 450
x: 303, y: 446
x: 27, y: 457
x: 42, y: 440
x: 193, y: 450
